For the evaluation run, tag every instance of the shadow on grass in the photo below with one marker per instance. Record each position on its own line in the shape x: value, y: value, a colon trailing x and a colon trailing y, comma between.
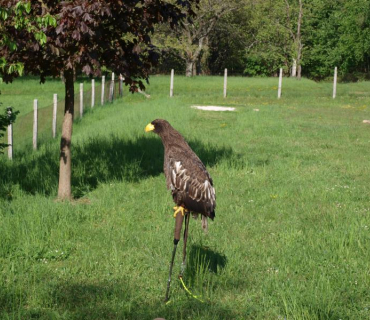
x: 107, y: 300
x: 202, y: 264
x: 95, y: 161
x: 204, y: 255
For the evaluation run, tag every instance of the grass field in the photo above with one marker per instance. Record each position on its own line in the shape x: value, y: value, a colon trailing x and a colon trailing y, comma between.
x: 290, y: 239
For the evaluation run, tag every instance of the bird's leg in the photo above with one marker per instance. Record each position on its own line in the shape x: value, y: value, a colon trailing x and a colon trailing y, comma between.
x: 179, y: 209
x: 183, y: 265
x: 178, y: 226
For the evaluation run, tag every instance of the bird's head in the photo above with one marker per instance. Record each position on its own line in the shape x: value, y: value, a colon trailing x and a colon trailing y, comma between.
x: 158, y: 126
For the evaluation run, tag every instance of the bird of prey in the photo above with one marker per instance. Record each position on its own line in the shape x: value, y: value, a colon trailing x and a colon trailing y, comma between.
x: 188, y: 179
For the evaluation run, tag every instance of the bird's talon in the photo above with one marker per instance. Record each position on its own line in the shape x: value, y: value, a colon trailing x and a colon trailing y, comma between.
x: 180, y: 209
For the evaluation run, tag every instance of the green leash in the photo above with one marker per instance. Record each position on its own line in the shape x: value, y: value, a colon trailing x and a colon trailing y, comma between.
x: 188, y: 291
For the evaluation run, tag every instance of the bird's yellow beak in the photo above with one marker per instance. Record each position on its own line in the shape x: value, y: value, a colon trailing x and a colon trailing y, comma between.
x: 149, y: 127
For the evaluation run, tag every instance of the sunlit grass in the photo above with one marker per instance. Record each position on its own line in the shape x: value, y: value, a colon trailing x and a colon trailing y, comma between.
x: 292, y: 228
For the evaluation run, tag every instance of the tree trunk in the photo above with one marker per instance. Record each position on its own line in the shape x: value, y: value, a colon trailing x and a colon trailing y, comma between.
x: 299, y: 73
x: 299, y: 40
x: 189, y: 68
x: 64, y: 189
x: 198, y: 69
x: 294, y: 68
x: 191, y: 57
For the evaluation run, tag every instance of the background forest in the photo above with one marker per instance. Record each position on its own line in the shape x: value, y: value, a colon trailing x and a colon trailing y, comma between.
x: 257, y: 37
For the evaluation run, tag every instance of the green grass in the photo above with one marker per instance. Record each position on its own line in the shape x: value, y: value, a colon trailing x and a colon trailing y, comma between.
x: 292, y: 228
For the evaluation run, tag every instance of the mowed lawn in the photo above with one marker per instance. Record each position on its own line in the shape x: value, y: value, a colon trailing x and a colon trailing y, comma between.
x: 290, y: 239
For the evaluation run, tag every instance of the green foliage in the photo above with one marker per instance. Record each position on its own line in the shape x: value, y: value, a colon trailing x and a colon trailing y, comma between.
x: 22, y: 19
x: 271, y: 41
x: 257, y: 66
x: 170, y: 59
x: 334, y: 33
x: 227, y: 43
x: 354, y: 30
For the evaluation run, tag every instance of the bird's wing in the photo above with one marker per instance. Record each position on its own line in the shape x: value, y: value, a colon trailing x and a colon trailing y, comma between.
x: 190, y: 177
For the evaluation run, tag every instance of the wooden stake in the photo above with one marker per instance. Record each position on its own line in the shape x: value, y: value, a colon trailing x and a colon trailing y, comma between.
x: 225, y: 83
x: 102, y: 90
x: 92, y: 93
x: 55, y: 106
x: 171, y: 84
x: 10, y: 136
x: 120, y: 85
x: 81, y: 99
x: 111, y: 89
x: 34, y: 140
x: 280, y: 82
x: 335, y: 83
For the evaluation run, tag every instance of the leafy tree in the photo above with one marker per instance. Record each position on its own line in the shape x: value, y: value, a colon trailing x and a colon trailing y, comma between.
x: 338, y: 34
x: 277, y: 36
x: 229, y: 40
x: 190, y: 40
x: 354, y: 41
x: 88, y: 35
x: 320, y: 51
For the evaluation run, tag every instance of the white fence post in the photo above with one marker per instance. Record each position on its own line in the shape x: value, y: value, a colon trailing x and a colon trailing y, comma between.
x: 81, y: 99
x: 10, y: 136
x: 102, y: 90
x: 120, y: 85
x: 34, y: 140
x: 92, y: 93
x: 280, y: 82
x: 55, y: 106
x: 225, y: 83
x: 111, y: 89
x: 171, y: 84
x: 335, y: 83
